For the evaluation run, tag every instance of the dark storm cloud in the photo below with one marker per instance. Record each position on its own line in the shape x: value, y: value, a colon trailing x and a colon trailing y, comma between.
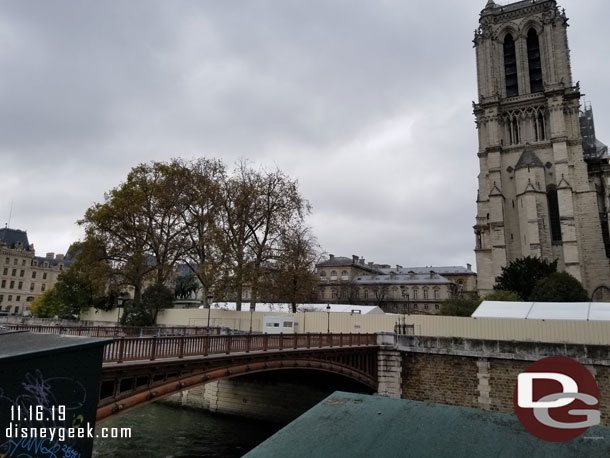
x: 368, y: 104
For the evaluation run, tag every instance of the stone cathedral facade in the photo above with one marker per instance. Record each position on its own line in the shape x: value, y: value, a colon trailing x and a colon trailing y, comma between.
x: 544, y: 177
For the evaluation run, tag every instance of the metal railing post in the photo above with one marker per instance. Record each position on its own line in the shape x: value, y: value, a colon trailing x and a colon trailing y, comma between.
x: 121, y: 349
x: 229, y: 339
x: 181, y: 355
x: 153, y: 348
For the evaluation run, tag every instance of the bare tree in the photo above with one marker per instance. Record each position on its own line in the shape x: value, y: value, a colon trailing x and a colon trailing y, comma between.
x: 202, y: 207
x: 296, y: 280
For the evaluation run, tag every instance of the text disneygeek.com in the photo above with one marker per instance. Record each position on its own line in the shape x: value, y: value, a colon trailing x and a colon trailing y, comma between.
x: 61, y: 434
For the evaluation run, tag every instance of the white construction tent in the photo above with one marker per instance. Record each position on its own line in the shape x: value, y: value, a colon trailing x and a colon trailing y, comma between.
x: 571, y: 311
x: 287, y: 308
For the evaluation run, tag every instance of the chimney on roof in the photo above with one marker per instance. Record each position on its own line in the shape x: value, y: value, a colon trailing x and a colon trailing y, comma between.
x: 50, y: 255
x: 331, y: 257
x: 469, y: 267
x: 411, y: 275
x: 59, y: 257
x: 361, y: 261
x: 370, y: 264
x: 354, y: 259
x: 432, y: 274
x: 398, y: 267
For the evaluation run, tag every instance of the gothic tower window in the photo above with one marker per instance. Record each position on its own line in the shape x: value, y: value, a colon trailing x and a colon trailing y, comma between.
x: 510, y: 66
x: 539, y: 128
x: 553, y: 202
x: 533, y: 59
x: 513, y: 130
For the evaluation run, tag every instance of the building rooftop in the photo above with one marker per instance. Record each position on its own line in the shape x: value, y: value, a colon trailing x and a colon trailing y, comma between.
x: 15, y: 238
x: 403, y: 279
x: 528, y: 159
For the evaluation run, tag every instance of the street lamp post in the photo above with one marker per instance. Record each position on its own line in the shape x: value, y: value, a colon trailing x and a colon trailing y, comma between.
x: 251, y: 313
x: 209, y: 300
x: 405, y: 296
x: 328, y: 321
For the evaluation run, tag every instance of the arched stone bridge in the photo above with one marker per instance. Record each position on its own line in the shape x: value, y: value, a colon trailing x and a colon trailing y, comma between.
x: 140, y: 370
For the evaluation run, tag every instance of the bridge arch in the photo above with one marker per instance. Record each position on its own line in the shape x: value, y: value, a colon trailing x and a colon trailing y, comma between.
x: 127, y: 386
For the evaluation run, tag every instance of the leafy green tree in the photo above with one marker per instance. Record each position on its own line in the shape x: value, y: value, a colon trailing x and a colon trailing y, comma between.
x: 521, y: 275
x: 186, y: 285
x: 503, y: 296
x: 559, y: 287
x: 47, y: 305
x: 462, y: 305
x: 135, y: 314
x: 155, y: 298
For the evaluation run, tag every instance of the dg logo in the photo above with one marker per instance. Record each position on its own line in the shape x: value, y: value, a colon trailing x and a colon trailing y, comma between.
x: 557, y: 399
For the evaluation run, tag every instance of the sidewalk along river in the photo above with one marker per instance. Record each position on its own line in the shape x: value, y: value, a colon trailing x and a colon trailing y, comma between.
x: 158, y: 430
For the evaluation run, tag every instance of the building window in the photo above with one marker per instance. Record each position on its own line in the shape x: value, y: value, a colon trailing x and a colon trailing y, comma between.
x: 15, y: 261
x: 437, y: 307
x: 344, y: 275
x: 425, y: 294
x: 333, y: 275
x: 22, y: 273
x: 514, y: 131
x: 32, y: 286
x: 43, y: 287
x: 5, y: 271
x: 3, y: 284
x: 414, y: 294
x: 10, y: 297
x: 415, y: 306
x: 34, y: 274
x: 23, y: 262
x: 533, y: 59
x: 553, y: 203
x: 18, y: 299
x: 436, y: 294
x: 426, y: 307
x: 322, y: 276
x: 12, y: 284
x: 44, y: 275
x: 14, y: 272
x: 510, y: 67
x: 539, y: 127
x: 1, y: 297
x: 16, y: 310
x: 20, y: 285
x: 7, y: 261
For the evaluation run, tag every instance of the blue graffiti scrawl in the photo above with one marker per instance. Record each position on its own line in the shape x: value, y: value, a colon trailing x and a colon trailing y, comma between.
x: 52, y: 405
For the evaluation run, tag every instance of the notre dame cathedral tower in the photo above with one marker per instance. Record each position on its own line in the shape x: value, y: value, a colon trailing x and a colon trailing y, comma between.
x: 543, y: 185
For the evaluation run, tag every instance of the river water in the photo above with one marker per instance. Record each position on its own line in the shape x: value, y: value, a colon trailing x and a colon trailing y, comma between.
x: 163, y: 431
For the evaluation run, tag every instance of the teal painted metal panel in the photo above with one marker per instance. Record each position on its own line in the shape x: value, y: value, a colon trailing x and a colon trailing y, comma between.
x: 356, y: 425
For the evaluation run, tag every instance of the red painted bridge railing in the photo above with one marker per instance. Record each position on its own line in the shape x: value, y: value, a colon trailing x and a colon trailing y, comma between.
x: 116, y: 331
x: 151, y: 348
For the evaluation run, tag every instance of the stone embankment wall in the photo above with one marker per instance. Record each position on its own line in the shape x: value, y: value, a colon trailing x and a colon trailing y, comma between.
x: 482, y: 373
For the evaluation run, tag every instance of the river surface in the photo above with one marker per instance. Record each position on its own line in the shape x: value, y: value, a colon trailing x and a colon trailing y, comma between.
x: 158, y: 430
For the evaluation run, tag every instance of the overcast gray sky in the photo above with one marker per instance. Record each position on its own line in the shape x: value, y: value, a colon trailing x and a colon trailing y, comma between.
x: 366, y: 103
